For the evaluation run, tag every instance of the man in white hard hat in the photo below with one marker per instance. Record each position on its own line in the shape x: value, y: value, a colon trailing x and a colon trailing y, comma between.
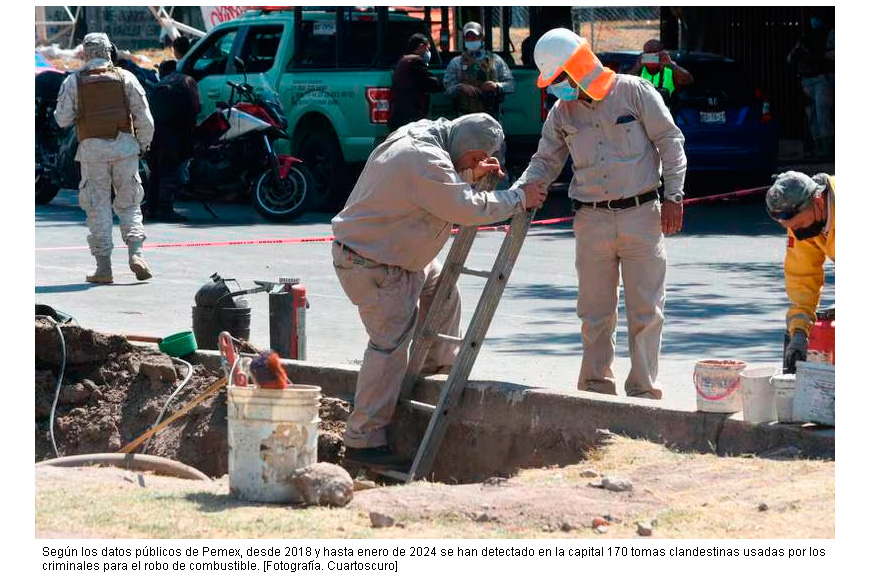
x: 622, y: 141
x: 477, y: 79
x: 414, y: 187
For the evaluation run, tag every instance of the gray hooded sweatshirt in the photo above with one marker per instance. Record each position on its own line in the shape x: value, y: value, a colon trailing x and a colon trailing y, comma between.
x: 409, y: 194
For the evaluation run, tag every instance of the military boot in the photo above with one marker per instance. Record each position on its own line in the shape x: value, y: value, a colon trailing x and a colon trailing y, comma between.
x: 137, y: 260
x: 103, y: 274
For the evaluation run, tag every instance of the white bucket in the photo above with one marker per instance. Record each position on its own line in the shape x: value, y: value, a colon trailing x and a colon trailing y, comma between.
x: 759, y: 404
x: 814, y: 393
x: 783, y: 393
x: 717, y: 385
x: 270, y: 434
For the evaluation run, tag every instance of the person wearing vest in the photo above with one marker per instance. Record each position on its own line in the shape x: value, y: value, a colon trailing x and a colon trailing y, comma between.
x: 413, y: 82
x: 656, y: 66
x: 114, y: 127
x: 623, y: 142
x: 477, y: 80
x: 805, y: 207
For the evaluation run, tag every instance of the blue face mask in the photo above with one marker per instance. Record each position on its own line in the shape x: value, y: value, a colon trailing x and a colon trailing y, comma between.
x: 564, y: 91
x: 426, y: 56
x: 816, y: 22
x: 473, y: 45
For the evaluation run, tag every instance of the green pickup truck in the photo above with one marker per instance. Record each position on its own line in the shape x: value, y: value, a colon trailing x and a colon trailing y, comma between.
x: 332, y: 70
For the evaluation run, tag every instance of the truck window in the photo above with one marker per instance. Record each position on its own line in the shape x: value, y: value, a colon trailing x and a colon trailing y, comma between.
x: 261, y: 47
x: 359, y: 48
x: 213, y: 55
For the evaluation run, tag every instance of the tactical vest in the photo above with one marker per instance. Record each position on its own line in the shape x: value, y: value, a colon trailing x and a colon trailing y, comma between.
x: 476, y: 72
x: 102, y: 109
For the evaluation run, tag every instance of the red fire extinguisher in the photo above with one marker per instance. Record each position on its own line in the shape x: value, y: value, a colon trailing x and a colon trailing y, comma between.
x: 299, y: 302
x: 821, y: 341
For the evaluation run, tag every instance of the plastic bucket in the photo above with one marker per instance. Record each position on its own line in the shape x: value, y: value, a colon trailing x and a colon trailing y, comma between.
x: 178, y: 344
x: 209, y: 322
x: 759, y: 403
x: 783, y: 393
x: 270, y: 434
x: 717, y: 385
x: 814, y: 393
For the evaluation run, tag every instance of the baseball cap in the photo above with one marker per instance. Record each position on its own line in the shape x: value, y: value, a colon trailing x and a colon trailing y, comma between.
x: 790, y: 194
x: 472, y: 27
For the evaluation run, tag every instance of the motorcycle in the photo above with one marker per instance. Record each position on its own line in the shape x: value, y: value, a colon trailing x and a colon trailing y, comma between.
x: 234, y: 152
x: 55, y: 147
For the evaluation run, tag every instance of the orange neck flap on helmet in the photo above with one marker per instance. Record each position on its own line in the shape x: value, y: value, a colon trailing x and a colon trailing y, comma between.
x: 587, y: 71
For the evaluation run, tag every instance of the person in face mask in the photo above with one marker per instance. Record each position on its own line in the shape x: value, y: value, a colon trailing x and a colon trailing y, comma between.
x: 413, y: 82
x: 414, y: 187
x: 477, y: 80
x: 622, y: 141
x: 813, y: 59
x: 805, y: 207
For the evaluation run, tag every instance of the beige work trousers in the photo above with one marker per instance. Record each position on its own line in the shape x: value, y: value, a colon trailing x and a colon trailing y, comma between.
x: 95, y: 198
x: 607, y: 240
x: 391, y: 301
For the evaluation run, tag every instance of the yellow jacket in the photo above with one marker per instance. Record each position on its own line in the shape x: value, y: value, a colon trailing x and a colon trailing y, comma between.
x: 804, y: 273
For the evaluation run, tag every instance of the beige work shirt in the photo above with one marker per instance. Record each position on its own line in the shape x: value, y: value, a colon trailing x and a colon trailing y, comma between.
x: 620, y: 146
x: 407, y: 198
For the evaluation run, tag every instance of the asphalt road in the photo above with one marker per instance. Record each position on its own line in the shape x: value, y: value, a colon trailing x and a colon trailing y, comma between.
x: 725, y: 292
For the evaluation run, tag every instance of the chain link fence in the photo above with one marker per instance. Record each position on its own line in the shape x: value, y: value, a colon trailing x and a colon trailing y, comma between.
x: 616, y: 27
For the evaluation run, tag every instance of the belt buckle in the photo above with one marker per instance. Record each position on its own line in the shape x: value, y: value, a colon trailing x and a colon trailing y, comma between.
x: 608, y: 205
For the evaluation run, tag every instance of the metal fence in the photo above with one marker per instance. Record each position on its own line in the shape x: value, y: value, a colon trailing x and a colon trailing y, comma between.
x: 616, y: 27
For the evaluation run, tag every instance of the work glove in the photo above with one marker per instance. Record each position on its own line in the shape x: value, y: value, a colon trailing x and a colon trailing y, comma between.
x: 795, y: 351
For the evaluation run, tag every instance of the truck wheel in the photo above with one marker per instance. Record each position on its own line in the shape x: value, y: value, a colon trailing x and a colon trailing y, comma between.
x: 322, y: 154
x: 283, y: 200
x: 45, y: 190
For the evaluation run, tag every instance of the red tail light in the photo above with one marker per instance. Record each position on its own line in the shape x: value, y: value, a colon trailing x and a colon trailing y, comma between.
x: 766, y: 116
x: 380, y: 102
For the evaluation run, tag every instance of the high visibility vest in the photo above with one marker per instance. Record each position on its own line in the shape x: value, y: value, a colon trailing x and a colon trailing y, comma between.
x: 656, y: 79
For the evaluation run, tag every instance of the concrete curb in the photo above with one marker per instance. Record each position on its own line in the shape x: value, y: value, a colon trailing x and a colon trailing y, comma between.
x: 504, y: 427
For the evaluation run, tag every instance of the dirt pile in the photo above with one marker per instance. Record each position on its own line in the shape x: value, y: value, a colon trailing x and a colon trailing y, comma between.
x: 113, y: 391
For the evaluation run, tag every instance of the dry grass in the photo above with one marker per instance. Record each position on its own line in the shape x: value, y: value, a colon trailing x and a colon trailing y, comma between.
x: 690, y: 496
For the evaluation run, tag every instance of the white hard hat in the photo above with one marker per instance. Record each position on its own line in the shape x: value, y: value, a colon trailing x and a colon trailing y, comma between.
x: 561, y: 50
x: 551, y: 52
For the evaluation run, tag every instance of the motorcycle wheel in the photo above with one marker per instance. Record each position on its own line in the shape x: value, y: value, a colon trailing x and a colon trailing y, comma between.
x: 45, y: 190
x: 283, y: 200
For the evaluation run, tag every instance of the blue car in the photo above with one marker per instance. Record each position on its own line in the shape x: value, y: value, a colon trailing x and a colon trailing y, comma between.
x: 725, y: 118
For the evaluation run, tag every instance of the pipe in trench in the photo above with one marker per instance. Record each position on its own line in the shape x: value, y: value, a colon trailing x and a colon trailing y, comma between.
x: 135, y: 461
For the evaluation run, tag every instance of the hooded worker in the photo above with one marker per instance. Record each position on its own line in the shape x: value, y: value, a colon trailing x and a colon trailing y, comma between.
x: 622, y: 141
x: 414, y: 187
x: 803, y: 205
x: 477, y: 80
x: 114, y: 127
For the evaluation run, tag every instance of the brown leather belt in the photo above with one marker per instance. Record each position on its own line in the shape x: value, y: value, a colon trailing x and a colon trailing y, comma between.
x: 616, y: 204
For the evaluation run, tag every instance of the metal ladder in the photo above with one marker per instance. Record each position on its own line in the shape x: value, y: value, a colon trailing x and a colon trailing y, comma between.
x: 426, y: 335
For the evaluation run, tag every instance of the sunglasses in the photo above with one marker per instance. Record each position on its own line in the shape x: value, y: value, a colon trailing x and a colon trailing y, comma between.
x: 561, y: 78
x: 786, y: 215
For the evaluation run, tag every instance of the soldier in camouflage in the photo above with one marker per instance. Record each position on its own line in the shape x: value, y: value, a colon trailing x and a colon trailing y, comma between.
x: 477, y: 79
x: 114, y: 128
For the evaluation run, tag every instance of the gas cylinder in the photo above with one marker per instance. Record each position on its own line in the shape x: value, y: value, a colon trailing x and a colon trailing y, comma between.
x: 297, y: 318
x: 821, y: 340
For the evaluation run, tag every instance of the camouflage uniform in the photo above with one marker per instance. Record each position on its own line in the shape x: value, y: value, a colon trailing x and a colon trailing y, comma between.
x: 106, y: 162
x: 475, y: 69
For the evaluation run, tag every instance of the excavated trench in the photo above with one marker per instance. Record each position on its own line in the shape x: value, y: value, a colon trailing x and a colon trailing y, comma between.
x: 112, y: 391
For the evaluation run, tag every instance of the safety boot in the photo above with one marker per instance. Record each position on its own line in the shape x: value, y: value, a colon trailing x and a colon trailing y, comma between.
x: 137, y: 260
x: 103, y: 274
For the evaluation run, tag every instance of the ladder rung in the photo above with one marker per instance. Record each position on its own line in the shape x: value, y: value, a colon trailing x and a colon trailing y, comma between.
x: 481, y: 273
x: 397, y: 475
x: 448, y: 338
x: 418, y: 406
